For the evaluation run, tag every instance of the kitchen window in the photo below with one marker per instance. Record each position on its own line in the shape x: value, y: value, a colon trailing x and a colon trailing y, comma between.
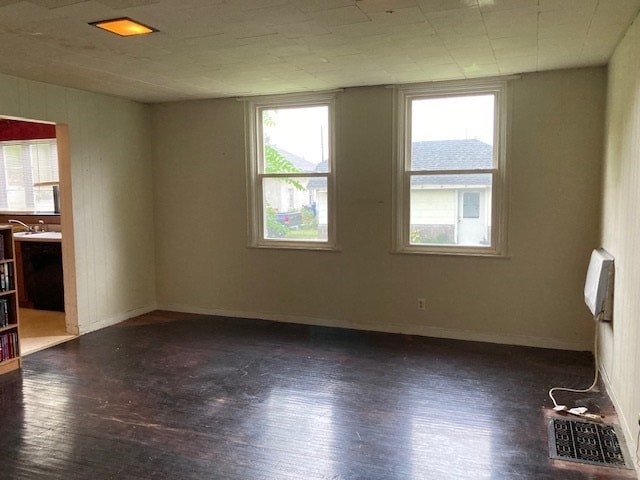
x: 291, y: 172
x: 450, y: 181
x: 29, y: 176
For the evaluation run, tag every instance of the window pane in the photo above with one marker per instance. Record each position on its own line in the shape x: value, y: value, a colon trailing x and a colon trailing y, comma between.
x: 16, y: 199
x: 296, y: 140
x: 24, y: 164
x: 471, y: 205
x: 13, y: 165
x: 450, y: 210
x: 295, y: 208
x: 44, y: 199
x: 44, y: 162
x: 452, y: 133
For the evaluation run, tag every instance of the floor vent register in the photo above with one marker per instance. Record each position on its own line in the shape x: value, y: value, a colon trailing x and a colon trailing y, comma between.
x: 586, y: 442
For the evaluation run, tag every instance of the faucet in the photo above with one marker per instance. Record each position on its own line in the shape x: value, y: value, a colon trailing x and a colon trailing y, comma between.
x: 27, y: 227
x: 43, y: 226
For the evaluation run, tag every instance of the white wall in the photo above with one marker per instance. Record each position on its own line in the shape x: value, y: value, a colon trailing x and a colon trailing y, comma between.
x: 112, y: 195
x: 620, y: 340
x: 434, y: 206
x: 533, y: 297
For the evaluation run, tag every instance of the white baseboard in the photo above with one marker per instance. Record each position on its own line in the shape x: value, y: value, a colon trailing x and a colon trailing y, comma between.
x: 425, y: 331
x: 624, y: 423
x: 113, y: 320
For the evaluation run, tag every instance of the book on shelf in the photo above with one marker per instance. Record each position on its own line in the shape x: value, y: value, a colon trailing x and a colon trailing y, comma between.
x: 9, y: 347
x: 4, y: 312
x: 6, y: 277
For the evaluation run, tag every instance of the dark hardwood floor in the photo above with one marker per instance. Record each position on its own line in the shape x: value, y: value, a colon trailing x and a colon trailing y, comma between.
x: 178, y: 396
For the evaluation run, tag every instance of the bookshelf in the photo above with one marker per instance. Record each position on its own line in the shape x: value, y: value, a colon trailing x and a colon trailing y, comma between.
x: 9, y: 330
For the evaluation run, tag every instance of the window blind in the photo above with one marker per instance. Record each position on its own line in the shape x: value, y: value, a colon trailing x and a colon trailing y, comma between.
x: 23, y: 166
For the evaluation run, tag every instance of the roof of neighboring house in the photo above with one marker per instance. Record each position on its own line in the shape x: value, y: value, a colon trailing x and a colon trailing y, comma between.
x: 317, y: 182
x: 451, y: 155
x: 322, y: 167
x: 297, y: 161
x: 441, y: 155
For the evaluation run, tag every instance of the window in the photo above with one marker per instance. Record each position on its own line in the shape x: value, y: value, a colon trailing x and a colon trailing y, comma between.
x: 450, y: 175
x: 28, y: 176
x: 471, y: 204
x: 291, y: 172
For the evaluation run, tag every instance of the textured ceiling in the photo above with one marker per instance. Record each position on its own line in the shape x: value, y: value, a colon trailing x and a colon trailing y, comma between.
x: 216, y: 48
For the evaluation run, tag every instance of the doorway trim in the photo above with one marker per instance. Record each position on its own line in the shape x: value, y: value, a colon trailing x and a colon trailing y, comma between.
x: 66, y: 223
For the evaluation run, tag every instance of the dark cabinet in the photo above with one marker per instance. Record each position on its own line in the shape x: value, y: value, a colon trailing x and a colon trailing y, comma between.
x: 42, y: 275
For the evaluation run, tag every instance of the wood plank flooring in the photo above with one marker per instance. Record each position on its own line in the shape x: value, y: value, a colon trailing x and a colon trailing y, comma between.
x: 40, y: 329
x: 178, y: 396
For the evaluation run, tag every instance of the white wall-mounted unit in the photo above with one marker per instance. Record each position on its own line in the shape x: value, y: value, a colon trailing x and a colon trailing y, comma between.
x: 598, y: 288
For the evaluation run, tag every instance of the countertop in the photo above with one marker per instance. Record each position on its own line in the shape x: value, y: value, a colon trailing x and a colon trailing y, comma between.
x: 38, y: 237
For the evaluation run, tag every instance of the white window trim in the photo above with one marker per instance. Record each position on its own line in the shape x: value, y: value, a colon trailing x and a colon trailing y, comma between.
x: 401, y: 183
x: 253, y: 127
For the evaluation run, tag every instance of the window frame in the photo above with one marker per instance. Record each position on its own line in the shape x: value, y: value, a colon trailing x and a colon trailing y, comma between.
x: 403, y: 173
x: 256, y: 175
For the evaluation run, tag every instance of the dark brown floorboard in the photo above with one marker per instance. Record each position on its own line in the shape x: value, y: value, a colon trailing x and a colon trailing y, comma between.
x: 178, y: 396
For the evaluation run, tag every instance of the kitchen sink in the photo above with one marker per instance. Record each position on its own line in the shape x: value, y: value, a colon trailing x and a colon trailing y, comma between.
x: 38, y: 236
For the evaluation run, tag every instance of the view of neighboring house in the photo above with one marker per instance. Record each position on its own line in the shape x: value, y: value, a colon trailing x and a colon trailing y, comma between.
x: 286, y: 197
x: 446, y: 209
x: 451, y: 209
x: 318, y: 194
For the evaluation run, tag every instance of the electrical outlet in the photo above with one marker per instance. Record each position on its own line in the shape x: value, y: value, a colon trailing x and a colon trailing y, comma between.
x: 421, y: 304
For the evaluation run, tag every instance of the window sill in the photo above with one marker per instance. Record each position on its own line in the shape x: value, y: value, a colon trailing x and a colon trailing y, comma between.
x: 29, y: 214
x: 448, y: 252
x: 289, y: 246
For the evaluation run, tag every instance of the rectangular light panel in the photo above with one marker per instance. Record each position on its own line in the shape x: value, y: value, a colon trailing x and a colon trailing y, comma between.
x: 125, y: 27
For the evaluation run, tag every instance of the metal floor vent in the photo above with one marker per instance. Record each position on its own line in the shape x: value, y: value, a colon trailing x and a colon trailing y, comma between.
x: 586, y: 442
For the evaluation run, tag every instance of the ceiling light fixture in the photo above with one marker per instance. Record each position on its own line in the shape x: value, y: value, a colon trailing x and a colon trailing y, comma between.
x: 125, y: 27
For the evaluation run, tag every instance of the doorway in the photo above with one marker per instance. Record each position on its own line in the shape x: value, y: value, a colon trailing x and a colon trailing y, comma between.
x: 44, y: 321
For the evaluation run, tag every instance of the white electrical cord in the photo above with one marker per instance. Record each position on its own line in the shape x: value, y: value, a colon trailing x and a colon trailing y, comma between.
x: 595, y: 380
